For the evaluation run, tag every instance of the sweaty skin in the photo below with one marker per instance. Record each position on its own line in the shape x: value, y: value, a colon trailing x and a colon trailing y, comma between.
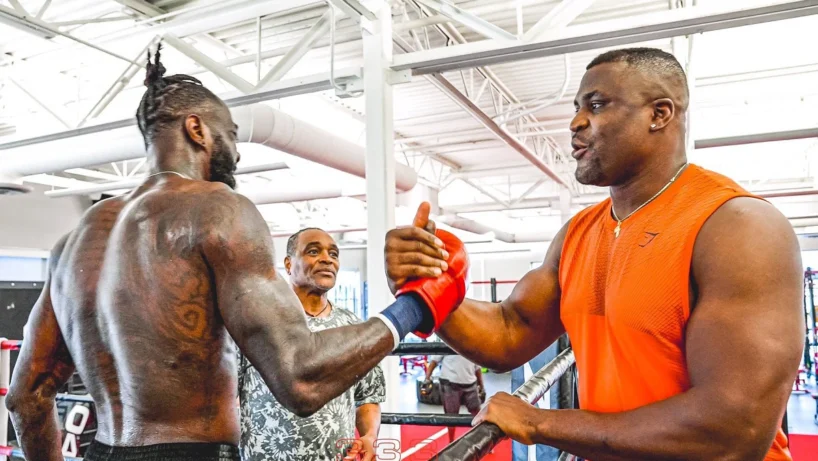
x: 742, y: 340
x: 142, y: 299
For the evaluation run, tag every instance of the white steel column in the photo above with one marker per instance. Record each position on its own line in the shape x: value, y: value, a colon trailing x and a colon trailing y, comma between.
x: 380, y: 179
x: 565, y: 206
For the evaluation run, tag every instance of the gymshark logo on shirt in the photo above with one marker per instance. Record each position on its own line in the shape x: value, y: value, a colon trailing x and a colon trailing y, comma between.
x: 10, y: 307
x: 647, y: 237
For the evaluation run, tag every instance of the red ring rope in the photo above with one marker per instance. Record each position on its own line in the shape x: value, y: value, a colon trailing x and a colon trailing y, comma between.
x: 10, y: 345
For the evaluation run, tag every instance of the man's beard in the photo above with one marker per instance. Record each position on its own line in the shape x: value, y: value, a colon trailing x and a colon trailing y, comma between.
x: 589, y: 172
x: 222, y: 164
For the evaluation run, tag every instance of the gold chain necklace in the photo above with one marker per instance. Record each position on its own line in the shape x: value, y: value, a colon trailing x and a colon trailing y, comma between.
x: 619, y: 221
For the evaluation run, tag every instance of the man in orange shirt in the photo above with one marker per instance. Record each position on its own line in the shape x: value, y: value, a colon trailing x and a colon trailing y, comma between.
x: 681, y: 294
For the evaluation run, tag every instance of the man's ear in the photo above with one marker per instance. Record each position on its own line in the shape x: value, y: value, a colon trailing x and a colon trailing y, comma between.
x: 287, y: 264
x: 664, y: 110
x: 197, y: 131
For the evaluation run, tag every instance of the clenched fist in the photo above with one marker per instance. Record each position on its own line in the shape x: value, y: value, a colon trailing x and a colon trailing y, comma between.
x: 414, y: 251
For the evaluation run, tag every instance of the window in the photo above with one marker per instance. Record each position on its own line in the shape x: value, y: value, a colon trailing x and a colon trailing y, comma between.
x: 347, y: 292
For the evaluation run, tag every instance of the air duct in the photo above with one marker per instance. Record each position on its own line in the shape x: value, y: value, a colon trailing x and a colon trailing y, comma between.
x: 258, y: 123
x: 261, y: 124
x: 475, y: 227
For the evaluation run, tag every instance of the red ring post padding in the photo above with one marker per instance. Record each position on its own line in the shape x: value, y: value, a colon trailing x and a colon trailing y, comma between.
x: 16, y: 452
x: 10, y: 345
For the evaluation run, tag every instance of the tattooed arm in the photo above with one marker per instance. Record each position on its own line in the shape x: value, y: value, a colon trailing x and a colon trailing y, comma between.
x: 43, y: 367
x: 266, y: 319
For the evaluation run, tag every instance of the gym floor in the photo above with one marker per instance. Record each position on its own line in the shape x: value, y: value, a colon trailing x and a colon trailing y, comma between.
x: 800, y: 414
x: 801, y: 424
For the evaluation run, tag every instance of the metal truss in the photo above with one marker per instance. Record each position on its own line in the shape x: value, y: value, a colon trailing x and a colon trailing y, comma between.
x: 642, y: 28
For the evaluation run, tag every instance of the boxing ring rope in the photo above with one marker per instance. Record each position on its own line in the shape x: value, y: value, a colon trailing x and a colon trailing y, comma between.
x: 478, y: 442
x: 426, y: 419
x: 473, y: 446
x: 429, y: 348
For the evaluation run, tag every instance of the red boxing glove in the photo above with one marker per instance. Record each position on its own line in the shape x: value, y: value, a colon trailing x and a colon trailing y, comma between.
x: 443, y: 294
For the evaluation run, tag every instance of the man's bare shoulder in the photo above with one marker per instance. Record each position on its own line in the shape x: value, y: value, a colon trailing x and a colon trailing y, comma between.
x: 225, y: 217
x: 746, y: 217
x: 746, y: 234
x: 220, y: 205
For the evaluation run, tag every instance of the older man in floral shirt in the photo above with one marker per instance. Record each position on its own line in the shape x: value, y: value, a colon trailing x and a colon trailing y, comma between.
x: 272, y: 433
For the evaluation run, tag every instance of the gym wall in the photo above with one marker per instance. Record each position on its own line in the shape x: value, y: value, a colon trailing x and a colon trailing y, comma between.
x: 34, y: 221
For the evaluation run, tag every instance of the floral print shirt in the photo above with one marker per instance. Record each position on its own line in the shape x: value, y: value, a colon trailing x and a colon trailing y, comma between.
x: 269, y: 432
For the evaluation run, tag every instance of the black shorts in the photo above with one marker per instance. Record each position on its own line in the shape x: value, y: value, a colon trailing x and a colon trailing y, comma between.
x: 164, y: 452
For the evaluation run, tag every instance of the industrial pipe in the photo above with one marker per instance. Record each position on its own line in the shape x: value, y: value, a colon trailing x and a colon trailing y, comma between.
x: 258, y: 123
x: 757, y: 138
x: 131, y: 183
x: 261, y: 124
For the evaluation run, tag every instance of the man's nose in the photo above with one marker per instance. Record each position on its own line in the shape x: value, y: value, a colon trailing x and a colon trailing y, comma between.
x: 579, y: 122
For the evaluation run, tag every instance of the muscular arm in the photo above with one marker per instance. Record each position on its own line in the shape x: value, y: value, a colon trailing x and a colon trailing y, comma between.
x: 503, y: 336
x: 43, y: 367
x: 304, y: 370
x: 368, y: 420
x: 744, y: 341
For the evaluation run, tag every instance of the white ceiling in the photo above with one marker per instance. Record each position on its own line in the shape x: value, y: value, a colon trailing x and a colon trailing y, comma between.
x: 753, y: 79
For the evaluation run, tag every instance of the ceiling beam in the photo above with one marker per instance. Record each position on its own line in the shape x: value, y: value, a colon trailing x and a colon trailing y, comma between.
x: 302, y: 47
x: 17, y: 6
x: 469, y: 20
x: 601, y: 34
x: 142, y: 7
x: 116, y: 87
x: 43, y: 9
x: 286, y: 88
x: 43, y: 29
x: 40, y: 103
x: 21, y: 22
x: 210, y: 64
x: 559, y: 16
x: 466, y: 104
x: 485, y: 191
x: 354, y: 10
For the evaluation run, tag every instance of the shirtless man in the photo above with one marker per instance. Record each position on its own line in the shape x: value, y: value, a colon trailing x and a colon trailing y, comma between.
x: 144, y: 296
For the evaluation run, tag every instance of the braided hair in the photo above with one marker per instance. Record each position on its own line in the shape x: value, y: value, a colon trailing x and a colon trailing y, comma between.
x: 169, y: 99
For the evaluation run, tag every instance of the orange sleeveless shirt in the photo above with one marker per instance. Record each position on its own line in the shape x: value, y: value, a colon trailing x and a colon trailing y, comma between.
x: 626, y: 301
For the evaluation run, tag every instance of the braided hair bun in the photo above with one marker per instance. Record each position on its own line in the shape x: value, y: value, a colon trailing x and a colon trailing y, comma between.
x: 155, y: 70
